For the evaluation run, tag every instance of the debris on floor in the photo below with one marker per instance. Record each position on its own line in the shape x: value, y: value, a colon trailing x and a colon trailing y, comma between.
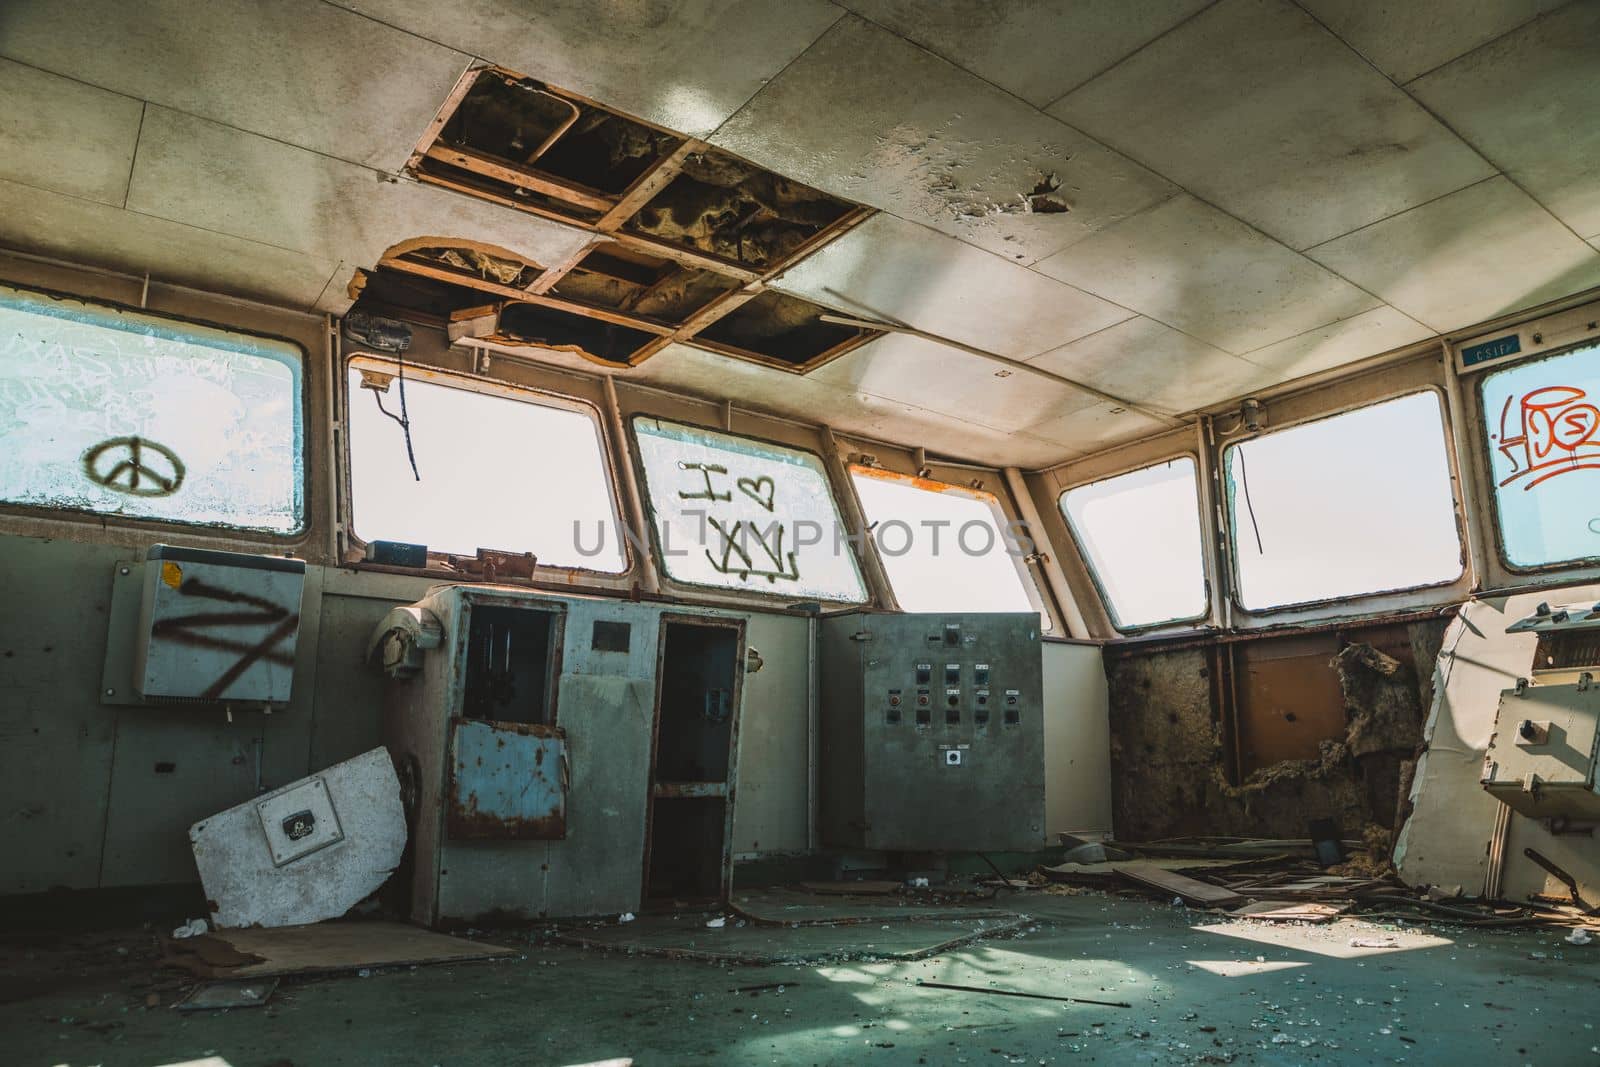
x: 1283, y: 881
x: 790, y: 926
x: 223, y: 996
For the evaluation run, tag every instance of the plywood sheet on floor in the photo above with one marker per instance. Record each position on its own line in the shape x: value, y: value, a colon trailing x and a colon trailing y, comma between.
x: 322, y: 948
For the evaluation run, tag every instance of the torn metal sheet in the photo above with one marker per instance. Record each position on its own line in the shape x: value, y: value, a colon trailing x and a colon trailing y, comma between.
x: 304, y: 853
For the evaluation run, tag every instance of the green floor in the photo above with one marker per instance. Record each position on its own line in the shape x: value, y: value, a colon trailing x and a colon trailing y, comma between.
x: 1200, y: 991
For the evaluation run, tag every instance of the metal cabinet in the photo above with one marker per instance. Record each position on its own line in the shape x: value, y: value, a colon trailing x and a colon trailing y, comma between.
x: 932, y: 732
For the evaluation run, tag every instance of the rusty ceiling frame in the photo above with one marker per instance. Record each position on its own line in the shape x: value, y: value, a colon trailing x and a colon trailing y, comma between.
x: 605, y: 215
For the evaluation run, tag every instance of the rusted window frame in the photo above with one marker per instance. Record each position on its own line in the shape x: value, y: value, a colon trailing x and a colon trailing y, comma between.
x: 30, y: 518
x: 1208, y: 585
x: 1540, y: 337
x: 1398, y: 382
x: 893, y: 463
x: 631, y: 413
x: 353, y: 550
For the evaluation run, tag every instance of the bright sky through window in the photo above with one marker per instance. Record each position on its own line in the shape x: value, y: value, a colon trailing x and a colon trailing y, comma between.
x: 496, y: 472
x: 1352, y: 504
x: 945, y: 548
x: 1141, y: 534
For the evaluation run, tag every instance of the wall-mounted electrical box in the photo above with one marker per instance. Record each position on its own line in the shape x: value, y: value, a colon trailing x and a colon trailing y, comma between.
x: 1541, y: 759
x: 217, y: 626
x: 932, y: 732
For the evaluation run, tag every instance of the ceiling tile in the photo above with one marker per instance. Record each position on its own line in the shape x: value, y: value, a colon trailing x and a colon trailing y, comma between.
x: 1530, y: 102
x: 695, y: 371
x: 683, y: 66
x: 218, y: 178
x: 1370, y: 333
x: 1293, y: 132
x: 1471, y: 256
x: 868, y: 116
x: 943, y: 379
x: 301, y: 71
x: 1018, y: 44
x: 891, y: 269
x: 65, y: 136
x: 1155, y: 366
x: 1411, y: 38
x: 1096, y: 427
x: 45, y: 223
x: 1195, y: 269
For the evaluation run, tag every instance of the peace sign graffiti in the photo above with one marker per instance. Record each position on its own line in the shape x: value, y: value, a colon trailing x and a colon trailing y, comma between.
x: 134, y: 466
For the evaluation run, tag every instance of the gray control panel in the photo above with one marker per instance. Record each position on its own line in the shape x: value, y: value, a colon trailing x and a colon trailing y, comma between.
x: 932, y: 732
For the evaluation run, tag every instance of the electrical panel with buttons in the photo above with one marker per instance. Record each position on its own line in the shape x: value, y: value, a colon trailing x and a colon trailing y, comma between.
x: 932, y: 732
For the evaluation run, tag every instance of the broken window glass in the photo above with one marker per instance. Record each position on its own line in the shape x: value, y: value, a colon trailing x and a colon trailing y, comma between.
x: 946, y: 547
x: 1542, y: 424
x: 1139, y: 533
x: 1346, y: 506
x: 494, y: 469
x: 120, y: 412
x: 735, y: 513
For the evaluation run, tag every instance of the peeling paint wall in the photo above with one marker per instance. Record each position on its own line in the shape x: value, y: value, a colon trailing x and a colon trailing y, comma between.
x: 1179, y: 727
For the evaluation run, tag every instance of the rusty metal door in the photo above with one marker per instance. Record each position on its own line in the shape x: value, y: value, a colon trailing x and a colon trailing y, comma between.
x: 508, y: 781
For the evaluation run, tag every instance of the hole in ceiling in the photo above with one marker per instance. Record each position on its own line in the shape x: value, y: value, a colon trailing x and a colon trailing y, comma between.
x: 624, y: 279
x: 775, y: 327
x: 391, y: 293
x: 684, y: 234
x: 547, y: 327
x: 472, y: 263
x: 725, y: 207
x: 523, y: 141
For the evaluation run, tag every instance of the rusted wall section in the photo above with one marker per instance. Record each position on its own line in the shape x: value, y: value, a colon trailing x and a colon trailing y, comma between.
x: 1257, y: 738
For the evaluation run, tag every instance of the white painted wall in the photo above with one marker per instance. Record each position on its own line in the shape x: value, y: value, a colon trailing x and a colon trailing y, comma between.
x: 1077, y: 739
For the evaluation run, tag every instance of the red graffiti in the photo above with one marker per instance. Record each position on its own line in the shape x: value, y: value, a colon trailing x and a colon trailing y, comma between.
x: 1553, y: 431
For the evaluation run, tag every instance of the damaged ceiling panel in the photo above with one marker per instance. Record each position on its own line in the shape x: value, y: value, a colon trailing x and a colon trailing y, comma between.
x: 682, y: 66
x: 620, y: 278
x: 867, y: 115
x: 684, y: 235
x: 724, y: 207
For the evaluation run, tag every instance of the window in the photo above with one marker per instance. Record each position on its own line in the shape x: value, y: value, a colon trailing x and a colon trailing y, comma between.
x: 493, y: 470
x: 1140, y: 534
x: 123, y: 413
x: 944, y: 547
x: 1542, y: 422
x: 735, y: 513
x: 1354, y: 504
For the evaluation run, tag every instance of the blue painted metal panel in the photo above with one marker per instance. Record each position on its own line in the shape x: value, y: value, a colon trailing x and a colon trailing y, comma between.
x: 507, y: 781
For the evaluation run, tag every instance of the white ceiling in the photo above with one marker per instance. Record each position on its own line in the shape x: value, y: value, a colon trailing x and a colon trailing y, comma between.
x: 1259, y: 189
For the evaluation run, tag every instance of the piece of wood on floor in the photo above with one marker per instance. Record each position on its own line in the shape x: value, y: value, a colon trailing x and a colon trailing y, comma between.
x: 323, y: 948
x: 214, y: 996
x: 1285, y: 911
x: 1196, y: 892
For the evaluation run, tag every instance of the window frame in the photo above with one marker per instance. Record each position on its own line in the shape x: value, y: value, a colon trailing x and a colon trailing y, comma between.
x: 1030, y: 587
x: 306, y: 483
x: 751, y: 595
x: 354, y: 548
x: 1359, y: 604
x: 1207, y: 584
x: 1483, y: 456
